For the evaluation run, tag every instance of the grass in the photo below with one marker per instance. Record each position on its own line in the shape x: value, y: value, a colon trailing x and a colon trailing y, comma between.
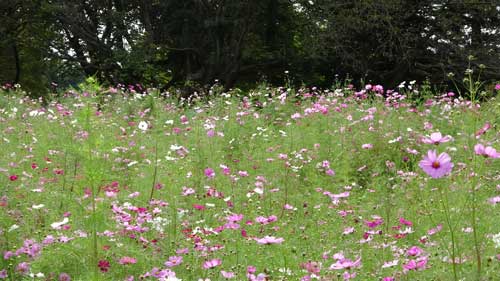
x: 130, y: 172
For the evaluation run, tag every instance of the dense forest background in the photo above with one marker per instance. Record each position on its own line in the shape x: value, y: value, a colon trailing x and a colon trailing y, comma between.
x: 165, y: 43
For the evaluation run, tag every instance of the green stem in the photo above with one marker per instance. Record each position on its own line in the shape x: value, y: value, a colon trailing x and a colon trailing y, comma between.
x: 155, y: 171
x: 474, y: 229
x: 446, y: 208
x: 474, y: 209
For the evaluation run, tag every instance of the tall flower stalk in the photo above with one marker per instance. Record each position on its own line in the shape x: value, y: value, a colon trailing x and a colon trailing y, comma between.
x: 446, y: 207
x: 438, y: 166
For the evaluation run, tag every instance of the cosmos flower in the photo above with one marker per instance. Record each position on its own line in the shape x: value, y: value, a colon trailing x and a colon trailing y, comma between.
x: 127, y: 260
x: 227, y: 275
x: 267, y: 240
x: 436, y: 166
x: 23, y: 268
x: 345, y: 264
x: 57, y: 225
x: 209, y: 173
x: 212, y: 263
x: 173, y: 261
x: 367, y: 146
x: 483, y: 129
x: 103, y: 265
x: 64, y: 277
x: 436, y: 138
x: 143, y: 126
x: 488, y: 151
x: 414, y: 251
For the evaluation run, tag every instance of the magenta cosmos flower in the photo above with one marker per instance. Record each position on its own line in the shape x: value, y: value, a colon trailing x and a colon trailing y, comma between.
x: 436, y: 138
x: 209, y: 173
x: 436, y: 166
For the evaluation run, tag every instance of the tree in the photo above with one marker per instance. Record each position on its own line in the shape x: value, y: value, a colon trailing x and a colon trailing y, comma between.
x: 23, y: 43
x: 390, y: 41
x: 208, y: 40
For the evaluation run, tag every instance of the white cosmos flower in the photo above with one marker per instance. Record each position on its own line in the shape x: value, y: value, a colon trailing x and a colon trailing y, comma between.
x: 58, y: 224
x: 143, y: 125
x: 13, y: 227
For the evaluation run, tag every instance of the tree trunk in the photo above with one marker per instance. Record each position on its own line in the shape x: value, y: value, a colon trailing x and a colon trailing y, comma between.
x: 17, y: 61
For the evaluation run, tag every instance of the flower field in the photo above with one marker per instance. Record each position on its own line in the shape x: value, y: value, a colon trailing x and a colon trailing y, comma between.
x: 273, y: 184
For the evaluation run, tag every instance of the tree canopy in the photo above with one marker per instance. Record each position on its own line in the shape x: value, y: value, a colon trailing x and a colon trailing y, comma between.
x: 170, y: 42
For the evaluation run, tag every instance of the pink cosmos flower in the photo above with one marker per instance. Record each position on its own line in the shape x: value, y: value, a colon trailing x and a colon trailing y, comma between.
x: 345, y: 264
x: 348, y: 230
x: 348, y: 276
x: 376, y: 222
x: 234, y: 217
x: 212, y: 263
x: 488, y: 151
x: 23, y: 268
x: 367, y: 146
x: 267, y: 240
x: 436, y: 166
x: 497, y: 87
x: 127, y: 260
x: 199, y: 207
x: 209, y: 173
x: 415, y: 265
x: 436, y: 138
x: 64, y: 277
x: 435, y: 230
x: 173, y: 261
x: 414, y: 251
x: 227, y: 275
x: 405, y: 222
x: 483, y: 129
x: 494, y: 200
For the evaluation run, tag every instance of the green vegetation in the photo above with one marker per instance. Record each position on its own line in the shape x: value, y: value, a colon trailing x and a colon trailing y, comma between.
x: 114, y: 184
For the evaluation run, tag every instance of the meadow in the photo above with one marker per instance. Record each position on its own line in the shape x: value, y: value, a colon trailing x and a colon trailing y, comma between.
x: 270, y: 184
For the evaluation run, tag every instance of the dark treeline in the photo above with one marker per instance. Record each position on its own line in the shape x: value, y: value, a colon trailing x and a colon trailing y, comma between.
x: 167, y: 43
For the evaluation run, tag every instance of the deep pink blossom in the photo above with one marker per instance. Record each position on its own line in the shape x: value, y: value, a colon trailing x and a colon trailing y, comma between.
x: 209, y: 173
x: 405, y: 222
x: 414, y: 251
x: 103, y: 265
